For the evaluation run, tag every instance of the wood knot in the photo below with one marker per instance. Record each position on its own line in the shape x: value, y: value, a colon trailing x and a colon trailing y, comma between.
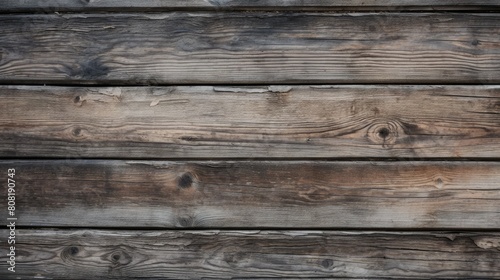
x: 78, y: 100
x: 70, y: 253
x: 327, y: 263
x: 185, y: 181
x: 233, y: 258
x: 186, y: 44
x: 77, y: 132
x: 385, y: 134
x: 439, y: 183
x: 119, y: 258
x: 73, y: 251
x: 185, y: 221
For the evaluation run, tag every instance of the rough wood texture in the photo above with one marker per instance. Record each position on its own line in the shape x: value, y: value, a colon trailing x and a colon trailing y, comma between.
x: 246, y: 194
x: 252, y: 122
x: 92, y: 254
x: 165, y: 5
x: 250, y: 48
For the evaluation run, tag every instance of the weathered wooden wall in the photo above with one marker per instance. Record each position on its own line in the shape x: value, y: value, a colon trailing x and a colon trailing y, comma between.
x: 251, y: 139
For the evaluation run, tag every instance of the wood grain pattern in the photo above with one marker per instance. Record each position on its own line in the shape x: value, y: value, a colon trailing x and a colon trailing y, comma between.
x: 166, y: 5
x: 96, y: 254
x: 251, y: 122
x: 250, y: 48
x: 257, y: 194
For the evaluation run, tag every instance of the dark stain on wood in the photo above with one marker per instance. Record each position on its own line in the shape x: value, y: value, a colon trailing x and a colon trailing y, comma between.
x: 89, y: 69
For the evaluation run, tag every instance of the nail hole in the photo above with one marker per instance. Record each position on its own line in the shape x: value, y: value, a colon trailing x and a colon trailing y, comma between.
x: 384, y: 132
x: 185, y: 181
x: 475, y: 42
x: 77, y: 99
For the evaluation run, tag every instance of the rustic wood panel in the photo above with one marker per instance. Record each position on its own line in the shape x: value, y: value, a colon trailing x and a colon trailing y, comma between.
x: 250, y: 48
x: 165, y: 5
x: 96, y: 254
x: 253, y: 194
x: 251, y: 122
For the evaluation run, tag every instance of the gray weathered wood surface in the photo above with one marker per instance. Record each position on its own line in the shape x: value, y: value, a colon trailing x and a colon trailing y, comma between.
x: 257, y: 194
x: 323, y: 5
x: 251, y: 122
x: 250, y: 48
x: 97, y: 254
x: 280, y: 139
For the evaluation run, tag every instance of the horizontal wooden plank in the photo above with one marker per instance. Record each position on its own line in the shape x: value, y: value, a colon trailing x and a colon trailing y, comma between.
x: 250, y: 48
x: 97, y: 254
x: 256, y: 194
x: 251, y: 122
x: 166, y: 5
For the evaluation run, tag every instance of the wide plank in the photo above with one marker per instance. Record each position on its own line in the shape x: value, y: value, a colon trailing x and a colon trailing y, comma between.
x: 256, y: 194
x: 251, y: 122
x: 250, y: 48
x: 167, y: 5
x: 99, y: 254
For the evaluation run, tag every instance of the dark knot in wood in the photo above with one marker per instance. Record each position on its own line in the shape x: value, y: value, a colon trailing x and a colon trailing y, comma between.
x: 119, y: 258
x: 185, y: 181
x: 185, y: 221
x: 385, y: 133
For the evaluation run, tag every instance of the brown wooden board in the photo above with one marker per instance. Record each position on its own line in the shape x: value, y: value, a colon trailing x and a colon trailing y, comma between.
x: 250, y: 48
x: 409, y: 122
x: 97, y: 254
x: 256, y: 194
x: 220, y: 5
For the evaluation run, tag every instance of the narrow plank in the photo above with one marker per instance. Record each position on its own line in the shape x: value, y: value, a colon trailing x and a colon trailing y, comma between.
x: 250, y: 194
x: 250, y: 48
x: 167, y: 5
x: 252, y: 122
x: 97, y: 254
